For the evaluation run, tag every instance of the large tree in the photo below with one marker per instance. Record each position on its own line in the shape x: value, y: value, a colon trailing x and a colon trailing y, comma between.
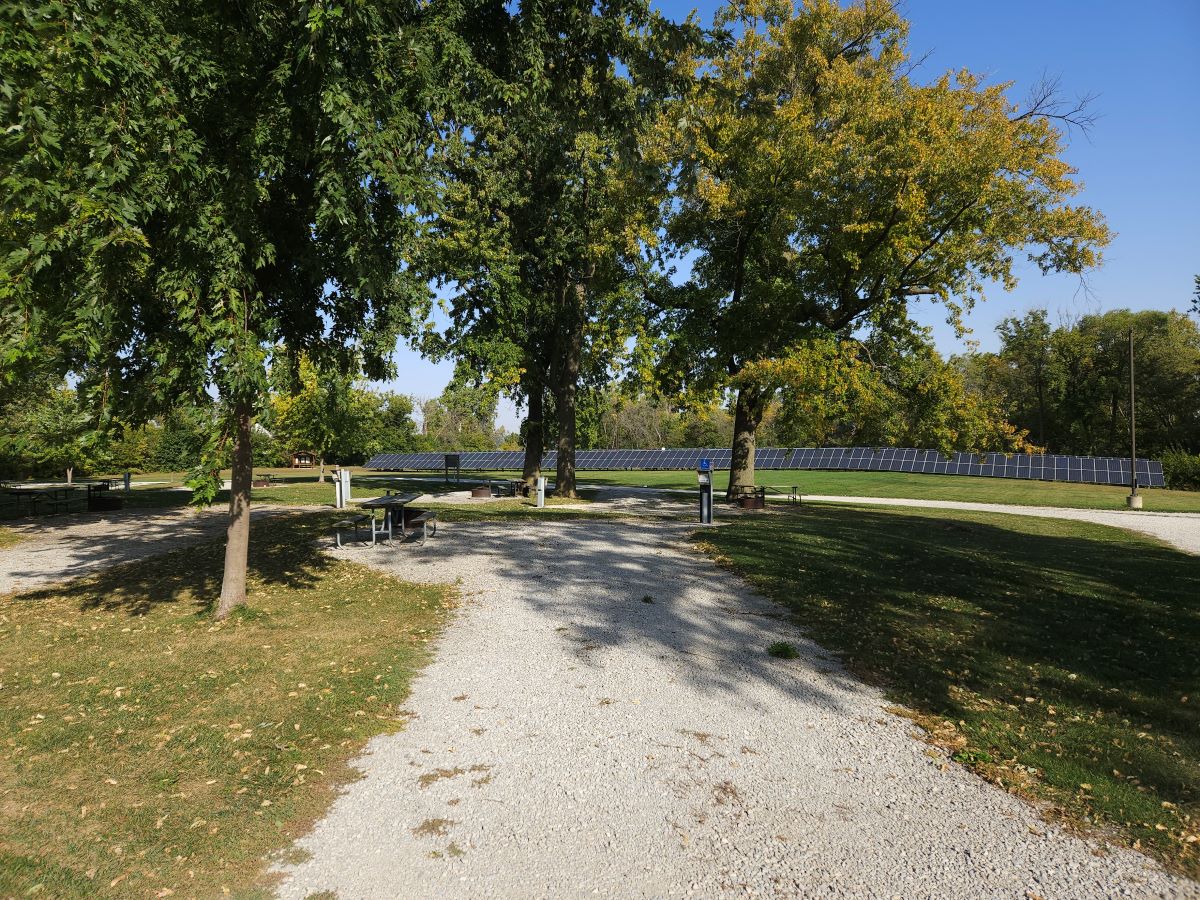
x: 188, y: 187
x: 820, y: 187
x: 551, y: 204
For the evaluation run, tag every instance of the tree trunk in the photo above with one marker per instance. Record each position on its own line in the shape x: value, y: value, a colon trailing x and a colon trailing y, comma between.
x: 321, y: 475
x: 237, y: 535
x: 70, y: 474
x: 535, y: 443
x: 747, y: 414
x: 570, y: 353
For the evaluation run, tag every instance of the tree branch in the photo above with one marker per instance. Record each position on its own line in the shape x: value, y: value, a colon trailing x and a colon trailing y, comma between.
x: 1046, y: 101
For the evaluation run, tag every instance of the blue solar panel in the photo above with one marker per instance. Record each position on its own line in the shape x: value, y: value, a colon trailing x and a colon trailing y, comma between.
x: 1045, y: 467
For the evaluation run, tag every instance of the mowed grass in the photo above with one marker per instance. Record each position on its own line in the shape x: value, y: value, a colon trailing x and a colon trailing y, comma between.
x: 150, y: 750
x: 921, y: 487
x: 1058, y: 659
x: 10, y: 538
x: 300, y: 487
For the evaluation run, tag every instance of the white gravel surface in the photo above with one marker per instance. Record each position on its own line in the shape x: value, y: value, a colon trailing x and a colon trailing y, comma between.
x: 571, y: 740
x: 56, y: 548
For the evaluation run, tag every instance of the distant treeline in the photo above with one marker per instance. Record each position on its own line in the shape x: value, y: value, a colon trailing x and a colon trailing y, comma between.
x: 48, y: 429
x: 1064, y: 389
x: 1068, y: 386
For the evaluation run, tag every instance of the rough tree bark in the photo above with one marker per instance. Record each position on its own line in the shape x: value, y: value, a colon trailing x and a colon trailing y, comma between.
x: 747, y: 416
x: 534, y: 435
x: 237, y: 534
x: 570, y: 351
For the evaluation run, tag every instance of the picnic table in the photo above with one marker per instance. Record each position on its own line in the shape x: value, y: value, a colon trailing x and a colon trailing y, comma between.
x: 29, y: 498
x: 393, y: 514
x: 508, y: 488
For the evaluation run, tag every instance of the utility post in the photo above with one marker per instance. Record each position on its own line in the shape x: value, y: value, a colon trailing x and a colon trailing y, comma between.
x: 1134, y: 500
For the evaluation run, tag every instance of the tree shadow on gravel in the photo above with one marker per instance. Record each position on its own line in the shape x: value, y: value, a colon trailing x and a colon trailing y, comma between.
x: 281, y: 554
x: 590, y: 579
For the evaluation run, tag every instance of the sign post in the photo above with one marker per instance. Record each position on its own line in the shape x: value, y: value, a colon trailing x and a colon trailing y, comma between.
x: 453, y: 461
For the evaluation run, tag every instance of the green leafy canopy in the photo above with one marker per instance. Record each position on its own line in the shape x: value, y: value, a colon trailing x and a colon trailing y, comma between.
x: 188, y: 186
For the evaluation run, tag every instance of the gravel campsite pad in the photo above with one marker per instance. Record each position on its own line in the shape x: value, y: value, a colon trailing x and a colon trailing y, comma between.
x: 603, y: 719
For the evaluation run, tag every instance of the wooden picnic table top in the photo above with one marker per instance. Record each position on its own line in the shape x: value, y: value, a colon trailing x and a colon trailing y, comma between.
x: 389, y: 500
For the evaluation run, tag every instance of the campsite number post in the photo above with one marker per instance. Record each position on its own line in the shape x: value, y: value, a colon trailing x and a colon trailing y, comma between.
x: 704, y: 476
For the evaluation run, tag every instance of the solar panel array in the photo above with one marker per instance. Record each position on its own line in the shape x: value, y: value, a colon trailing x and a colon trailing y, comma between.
x: 1038, y: 467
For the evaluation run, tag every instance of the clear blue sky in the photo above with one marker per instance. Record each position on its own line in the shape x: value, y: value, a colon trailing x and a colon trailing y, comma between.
x: 1140, y: 165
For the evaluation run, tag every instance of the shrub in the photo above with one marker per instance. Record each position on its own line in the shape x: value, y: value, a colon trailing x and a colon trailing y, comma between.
x: 1181, y: 470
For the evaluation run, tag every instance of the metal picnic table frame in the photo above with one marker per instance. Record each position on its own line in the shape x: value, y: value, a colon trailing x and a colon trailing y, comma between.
x: 393, y: 514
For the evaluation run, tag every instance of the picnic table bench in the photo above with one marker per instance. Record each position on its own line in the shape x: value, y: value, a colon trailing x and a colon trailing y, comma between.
x: 345, y: 524
x: 100, y: 498
x: 29, y: 499
x: 428, y: 522
x: 752, y: 497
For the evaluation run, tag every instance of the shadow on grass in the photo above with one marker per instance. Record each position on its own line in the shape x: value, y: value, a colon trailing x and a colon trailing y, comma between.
x: 1069, y: 648
x: 282, y: 554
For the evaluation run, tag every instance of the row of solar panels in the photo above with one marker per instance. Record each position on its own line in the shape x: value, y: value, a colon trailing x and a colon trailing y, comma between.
x: 1042, y: 467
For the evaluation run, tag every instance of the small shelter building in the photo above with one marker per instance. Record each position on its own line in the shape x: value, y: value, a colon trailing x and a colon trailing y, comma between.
x: 303, y: 459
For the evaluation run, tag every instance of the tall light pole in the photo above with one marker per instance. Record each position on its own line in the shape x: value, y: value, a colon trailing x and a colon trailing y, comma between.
x: 1134, y: 500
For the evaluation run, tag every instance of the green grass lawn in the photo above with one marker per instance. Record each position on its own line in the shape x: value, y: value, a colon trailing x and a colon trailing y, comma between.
x: 148, y: 748
x: 922, y: 487
x: 1056, y: 658
x: 299, y: 486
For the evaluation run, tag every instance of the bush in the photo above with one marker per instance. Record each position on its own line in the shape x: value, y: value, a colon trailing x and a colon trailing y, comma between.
x: 1181, y: 470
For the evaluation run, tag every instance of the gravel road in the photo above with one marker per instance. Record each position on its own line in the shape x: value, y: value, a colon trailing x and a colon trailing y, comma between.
x: 572, y: 740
